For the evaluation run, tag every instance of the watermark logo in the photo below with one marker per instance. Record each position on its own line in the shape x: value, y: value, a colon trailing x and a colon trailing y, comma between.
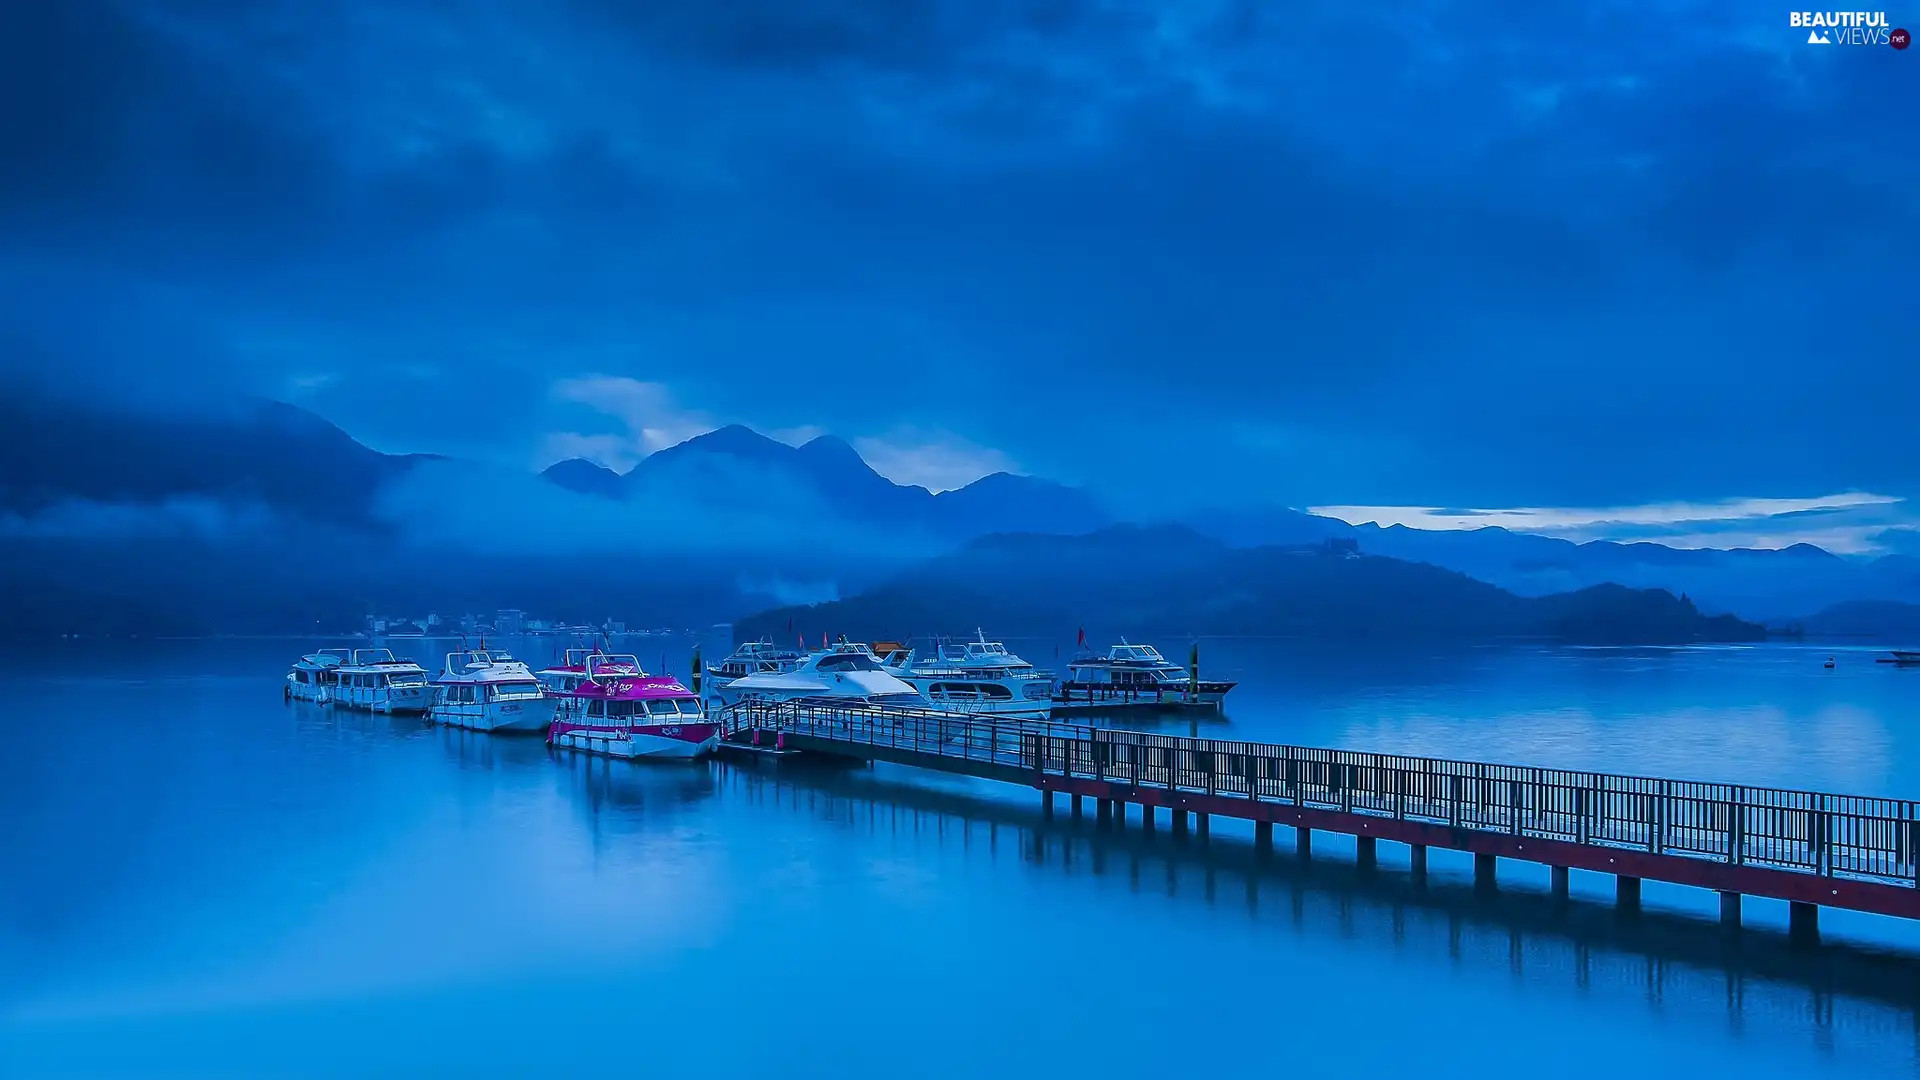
x: 1848, y: 28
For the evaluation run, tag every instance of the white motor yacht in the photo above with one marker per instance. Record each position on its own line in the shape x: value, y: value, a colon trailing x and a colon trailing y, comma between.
x: 847, y: 671
x: 1138, y: 673
x: 372, y: 679
x: 980, y: 677
x: 488, y: 690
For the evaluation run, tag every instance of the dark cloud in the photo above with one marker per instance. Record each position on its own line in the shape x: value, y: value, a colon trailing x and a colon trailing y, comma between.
x: 1445, y: 255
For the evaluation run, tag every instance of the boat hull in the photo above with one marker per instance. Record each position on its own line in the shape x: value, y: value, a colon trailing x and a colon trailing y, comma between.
x: 399, y: 699
x: 528, y: 715
x: 666, y: 742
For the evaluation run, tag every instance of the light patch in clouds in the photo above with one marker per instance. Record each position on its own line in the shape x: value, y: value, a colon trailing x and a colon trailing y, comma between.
x: 937, y: 461
x: 654, y: 420
x: 797, y: 436
x: 1847, y: 523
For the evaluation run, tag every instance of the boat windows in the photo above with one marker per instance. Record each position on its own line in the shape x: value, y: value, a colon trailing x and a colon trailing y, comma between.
x: 848, y: 662
x: 515, y: 690
x: 597, y: 709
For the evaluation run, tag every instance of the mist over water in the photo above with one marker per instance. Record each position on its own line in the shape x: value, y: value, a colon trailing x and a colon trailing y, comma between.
x: 197, y: 880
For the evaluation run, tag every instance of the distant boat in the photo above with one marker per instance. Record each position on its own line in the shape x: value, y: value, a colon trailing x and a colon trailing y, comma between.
x: 1902, y: 658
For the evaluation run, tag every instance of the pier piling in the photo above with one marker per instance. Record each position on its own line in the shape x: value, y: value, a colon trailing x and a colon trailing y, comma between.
x: 1730, y: 910
x: 1417, y: 856
x: 1365, y: 852
x: 1484, y: 875
x: 1626, y: 893
x: 1263, y: 837
x: 1803, y: 923
x: 1560, y: 874
x: 1303, y: 841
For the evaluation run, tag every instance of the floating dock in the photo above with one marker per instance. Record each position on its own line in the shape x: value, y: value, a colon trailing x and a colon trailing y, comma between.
x: 1119, y: 700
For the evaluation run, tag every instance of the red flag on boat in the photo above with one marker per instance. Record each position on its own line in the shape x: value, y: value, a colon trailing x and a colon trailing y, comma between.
x: 1083, y: 638
x: 823, y: 639
x: 801, y: 640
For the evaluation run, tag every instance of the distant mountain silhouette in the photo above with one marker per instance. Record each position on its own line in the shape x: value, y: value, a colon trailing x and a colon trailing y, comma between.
x: 585, y: 477
x: 737, y: 465
x: 1882, y: 620
x: 266, y: 453
x: 1751, y: 582
x: 1130, y: 579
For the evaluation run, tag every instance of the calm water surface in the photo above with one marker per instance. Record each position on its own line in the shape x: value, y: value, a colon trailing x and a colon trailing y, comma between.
x: 198, y: 880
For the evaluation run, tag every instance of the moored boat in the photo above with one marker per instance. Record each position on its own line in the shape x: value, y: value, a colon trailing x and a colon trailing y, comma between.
x: 311, y: 678
x: 1130, y: 673
x: 371, y: 679
x: 979, y: 677
x: 847, y: 672
x: 488, y: 690
x: 619, y: 710
x: 761, y: 657
x: 1902, y: 658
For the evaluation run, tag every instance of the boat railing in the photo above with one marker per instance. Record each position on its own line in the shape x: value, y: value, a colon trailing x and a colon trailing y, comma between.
x: 613, y: 666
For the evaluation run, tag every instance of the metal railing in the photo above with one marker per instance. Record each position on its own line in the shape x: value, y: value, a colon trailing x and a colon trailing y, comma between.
x: 1849, y: 836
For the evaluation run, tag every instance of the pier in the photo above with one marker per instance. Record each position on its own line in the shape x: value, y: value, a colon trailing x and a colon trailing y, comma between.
x: 1810, y: 849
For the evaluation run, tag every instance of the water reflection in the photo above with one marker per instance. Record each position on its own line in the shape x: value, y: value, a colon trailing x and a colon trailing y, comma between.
x: 1843, y: 999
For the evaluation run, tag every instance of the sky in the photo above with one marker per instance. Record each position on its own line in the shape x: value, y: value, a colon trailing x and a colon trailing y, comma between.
x: 1432, y: 261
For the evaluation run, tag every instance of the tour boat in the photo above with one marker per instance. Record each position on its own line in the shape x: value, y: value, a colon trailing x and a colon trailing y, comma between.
x: 845, y: 672
x: 488, y: 690
x: 1135, y: 673
x: 978, y: 676
x: 370, y: 679
x: 752, y: 658
x: 619, y: 710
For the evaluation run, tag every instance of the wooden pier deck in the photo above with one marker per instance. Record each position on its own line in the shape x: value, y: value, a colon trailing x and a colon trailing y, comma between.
x: 1811, y: 849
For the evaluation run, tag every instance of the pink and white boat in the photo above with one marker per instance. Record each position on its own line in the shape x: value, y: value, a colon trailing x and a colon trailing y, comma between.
x: 617, y: 709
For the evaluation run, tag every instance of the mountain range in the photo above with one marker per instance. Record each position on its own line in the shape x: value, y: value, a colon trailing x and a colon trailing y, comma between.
x: 1132, y: 580
x: 264, y: 515
x: 737, y: 462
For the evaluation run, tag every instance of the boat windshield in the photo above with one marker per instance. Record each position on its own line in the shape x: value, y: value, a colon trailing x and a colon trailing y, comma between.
x: 848, y: 662
x: 407, y: 678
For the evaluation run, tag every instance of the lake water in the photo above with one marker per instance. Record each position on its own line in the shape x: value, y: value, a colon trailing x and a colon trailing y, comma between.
x: 198, y: 880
